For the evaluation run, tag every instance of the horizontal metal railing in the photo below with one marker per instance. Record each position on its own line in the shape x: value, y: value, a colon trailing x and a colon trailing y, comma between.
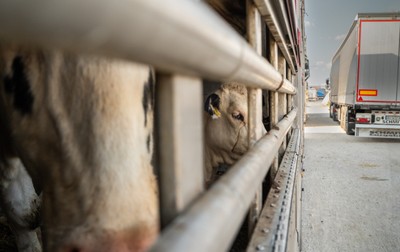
x: 211, y: 223
x: 177, y: 36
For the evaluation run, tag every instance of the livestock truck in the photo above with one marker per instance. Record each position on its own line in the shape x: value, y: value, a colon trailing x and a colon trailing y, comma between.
x: 365, y: 77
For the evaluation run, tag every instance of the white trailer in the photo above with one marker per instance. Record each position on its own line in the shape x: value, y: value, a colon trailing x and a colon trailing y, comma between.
x: 312, y: 94
x: 365, y: 77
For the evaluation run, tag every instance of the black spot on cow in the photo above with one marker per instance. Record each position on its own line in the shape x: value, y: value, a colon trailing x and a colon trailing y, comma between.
x: 148, y: 142
x: 148, y: 95
x: 17, y: 85
x: 8, y: 84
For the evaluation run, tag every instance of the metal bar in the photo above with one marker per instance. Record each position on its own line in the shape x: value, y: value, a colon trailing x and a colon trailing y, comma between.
x: 289, y: 106
x: 282, y: 234
x: 282, y: 103
x: 282, y: 107
x: 255, y: 133
x: 254, y: 36
x: 274, y: 102
x: 179, y: 36
x: 181, y: 145
x: 267, y: 12
x: 272, y: 230
x: 224, y: 205
x: 282, y: 100
x: 282, y: 10
x: 289, y: 99
x: 293, y: 242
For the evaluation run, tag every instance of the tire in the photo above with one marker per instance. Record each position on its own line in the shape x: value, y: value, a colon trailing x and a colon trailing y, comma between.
x: 330, y: 111
x: 334, y: 113
x: 350, y: 123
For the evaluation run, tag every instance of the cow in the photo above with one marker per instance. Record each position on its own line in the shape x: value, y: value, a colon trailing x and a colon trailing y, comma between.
x: 77, y: 129
x: 225, y: 128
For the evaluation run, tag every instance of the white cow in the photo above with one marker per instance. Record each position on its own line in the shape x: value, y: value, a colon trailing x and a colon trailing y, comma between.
x: 82, y: 127
x: 226, y: 128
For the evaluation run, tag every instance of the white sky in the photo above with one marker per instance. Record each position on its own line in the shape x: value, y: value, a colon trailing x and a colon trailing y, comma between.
x: 327, y: 23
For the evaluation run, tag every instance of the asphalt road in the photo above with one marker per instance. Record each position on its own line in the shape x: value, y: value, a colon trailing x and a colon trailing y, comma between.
x: 351, y: 198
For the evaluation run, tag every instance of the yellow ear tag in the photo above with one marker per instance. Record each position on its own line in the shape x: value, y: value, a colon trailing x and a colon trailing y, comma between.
x: 216, y: 114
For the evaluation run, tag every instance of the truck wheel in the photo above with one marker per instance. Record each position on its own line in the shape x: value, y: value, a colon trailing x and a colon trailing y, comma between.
x: 350, y: 123
x: 334, y: 113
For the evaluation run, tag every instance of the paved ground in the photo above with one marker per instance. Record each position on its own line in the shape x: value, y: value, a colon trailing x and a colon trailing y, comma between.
x: 351, y: 198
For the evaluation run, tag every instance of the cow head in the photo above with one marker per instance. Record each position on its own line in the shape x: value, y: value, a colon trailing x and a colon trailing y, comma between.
x: 82, y: 126
x: 226, y: 126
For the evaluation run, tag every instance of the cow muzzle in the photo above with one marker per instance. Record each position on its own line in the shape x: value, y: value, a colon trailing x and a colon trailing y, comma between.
x: 242, y: 149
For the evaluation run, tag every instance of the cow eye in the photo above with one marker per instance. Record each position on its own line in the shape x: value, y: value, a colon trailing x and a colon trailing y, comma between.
x: 238, y: 116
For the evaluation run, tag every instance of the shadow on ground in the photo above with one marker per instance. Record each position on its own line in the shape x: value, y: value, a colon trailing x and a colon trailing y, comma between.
x: 319, y: 119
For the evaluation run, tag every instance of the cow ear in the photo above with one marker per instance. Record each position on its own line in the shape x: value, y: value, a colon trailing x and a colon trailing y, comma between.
x: 212, y: 105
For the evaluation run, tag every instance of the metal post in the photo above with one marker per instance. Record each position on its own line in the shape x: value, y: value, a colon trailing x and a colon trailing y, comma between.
x: 282, y: 109
x: 254, y: 33
x: 274, y: 101
x: 289, y: 100
x: 180, y: 144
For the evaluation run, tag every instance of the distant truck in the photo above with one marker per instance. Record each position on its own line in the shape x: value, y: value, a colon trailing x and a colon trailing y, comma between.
x: 312, y: 94
x: 365, y: 77
x: 320, y: 93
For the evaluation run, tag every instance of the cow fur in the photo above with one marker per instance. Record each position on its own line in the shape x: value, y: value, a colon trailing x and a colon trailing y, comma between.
x: 85, y: 138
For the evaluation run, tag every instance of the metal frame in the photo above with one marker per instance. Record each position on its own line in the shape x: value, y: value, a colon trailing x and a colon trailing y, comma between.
x: 273, y: 228
x: 184, y: 52
x: 211, y: 223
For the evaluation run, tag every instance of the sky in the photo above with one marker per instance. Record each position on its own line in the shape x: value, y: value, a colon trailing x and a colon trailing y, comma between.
x: 327, y: 23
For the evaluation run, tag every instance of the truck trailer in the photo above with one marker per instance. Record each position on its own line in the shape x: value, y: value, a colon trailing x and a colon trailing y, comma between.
x: 365, y: 77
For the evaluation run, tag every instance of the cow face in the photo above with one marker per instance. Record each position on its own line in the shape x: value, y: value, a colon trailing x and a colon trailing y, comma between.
x: 226, y: 125
x: 82, y: 126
